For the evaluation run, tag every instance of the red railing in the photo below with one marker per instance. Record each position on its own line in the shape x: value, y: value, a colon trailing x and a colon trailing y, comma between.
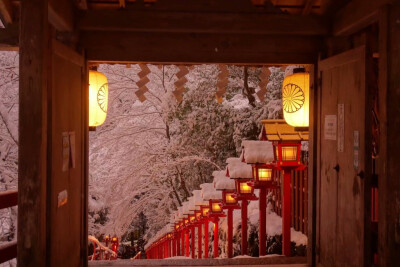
x: 299, y: 192
x: 8, y: 251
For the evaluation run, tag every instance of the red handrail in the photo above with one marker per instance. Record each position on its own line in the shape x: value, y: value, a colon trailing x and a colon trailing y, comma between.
x: 8, y: 251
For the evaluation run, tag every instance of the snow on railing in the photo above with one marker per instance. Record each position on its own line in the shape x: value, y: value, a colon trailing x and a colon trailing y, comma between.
x: 100, y: 250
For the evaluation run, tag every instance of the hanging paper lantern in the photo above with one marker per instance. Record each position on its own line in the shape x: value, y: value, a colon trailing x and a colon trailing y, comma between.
x: 295, y: 98
x: 98, y: 98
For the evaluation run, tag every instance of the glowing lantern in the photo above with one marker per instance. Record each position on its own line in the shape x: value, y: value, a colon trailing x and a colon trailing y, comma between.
x: 216, y: 207
x: 263, y: 176
x: 229, y: 199
x: 244, y: 190
x: 198, y: 215
x: 98, y: 98
x: 192, y: 218
x: 287, y: 153
x: 295, y: 98
x: 204, y: 211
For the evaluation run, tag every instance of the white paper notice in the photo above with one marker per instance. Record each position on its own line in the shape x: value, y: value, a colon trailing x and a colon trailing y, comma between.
x: 330, y: 127
x: 340, y: 143
x: 62, y: 198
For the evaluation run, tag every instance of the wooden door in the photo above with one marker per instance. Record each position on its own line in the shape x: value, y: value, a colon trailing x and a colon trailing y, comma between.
x: 67, y: 195
x: 342, y: 165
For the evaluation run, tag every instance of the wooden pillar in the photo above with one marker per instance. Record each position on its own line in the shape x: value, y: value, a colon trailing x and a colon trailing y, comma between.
x: 183, y: 242
x: 388, y: 161
x: 192, y: 236
x: 178, y: 244
x: 286, y: 210
x: 206, y: 238
x: 174, y: 246
x: 199, y: 241
x: 244, y: 227
x: 33, y: 128
x: 187, y: 244
x: 216, y: 237
x: 263, y: 221
x: 230, y: 233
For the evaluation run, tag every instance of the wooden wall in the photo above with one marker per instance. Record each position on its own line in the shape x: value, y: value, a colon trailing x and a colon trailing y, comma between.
x: 52, y: 207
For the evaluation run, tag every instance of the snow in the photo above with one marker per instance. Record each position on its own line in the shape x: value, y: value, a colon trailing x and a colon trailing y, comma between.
x: 257, y: 151
x: 208, y: 192
x: 243, y: 257
x: 178, y: 258
x: 238, y: 169
x: 221, y: 182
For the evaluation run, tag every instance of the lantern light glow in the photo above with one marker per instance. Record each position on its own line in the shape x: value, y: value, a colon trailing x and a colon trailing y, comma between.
x: 229, y: 198
x: 98, y: 98
x: 216, y: 207
x: 245, y: 188
x: 264, y: 174
x: 295, y: 98
x: 205, y: 211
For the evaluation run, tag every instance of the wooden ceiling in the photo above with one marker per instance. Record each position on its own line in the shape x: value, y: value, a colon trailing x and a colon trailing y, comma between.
x: 286, y: 6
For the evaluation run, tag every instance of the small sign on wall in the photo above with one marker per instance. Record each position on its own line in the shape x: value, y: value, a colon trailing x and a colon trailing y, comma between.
x: 68, y: 151
x: 330, y: 127
x: 340, y: 128
x: 62, y: 198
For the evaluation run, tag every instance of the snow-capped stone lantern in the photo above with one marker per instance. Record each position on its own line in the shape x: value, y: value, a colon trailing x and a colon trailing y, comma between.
x: 98, y: 98
x: 259, y: 154
x: 209, y: 193
x: 242, y: 174
x: 229, y: 203
x: 295, y: 98
x: 286, y: 142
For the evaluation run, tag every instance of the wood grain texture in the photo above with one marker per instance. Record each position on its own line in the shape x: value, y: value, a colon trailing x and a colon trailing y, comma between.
x: 32, y: 161
x: 199, y: 48
x: 67, y: 109
x: 341, y: 197
x: 199, y: 22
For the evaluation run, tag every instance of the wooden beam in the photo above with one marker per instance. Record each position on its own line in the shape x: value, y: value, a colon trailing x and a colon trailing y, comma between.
x: 9, y: 37
x: 6, y: 12
x: 82, y: 4
x: 199, y: 48
x: 198, y: 22
x: 357, y: 15
x: 61, y: 15
x: 308, y: 7
x: 8, y: 251
x: 8, y: 199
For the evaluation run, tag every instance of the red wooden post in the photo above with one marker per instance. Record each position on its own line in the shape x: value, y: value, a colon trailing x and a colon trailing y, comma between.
x: 263, y: 221
x: 173, y: 246
x: 244, y: 226
x: 199, y: 241
x: 206, y: 239
x: 230, y: 233
x: 166, y: 247
x: 187, y: 243
x: 183, y: 242
x: 178, y: 244
x: 286, y: 210
x: 192, y: 235
x: 216, y: 237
